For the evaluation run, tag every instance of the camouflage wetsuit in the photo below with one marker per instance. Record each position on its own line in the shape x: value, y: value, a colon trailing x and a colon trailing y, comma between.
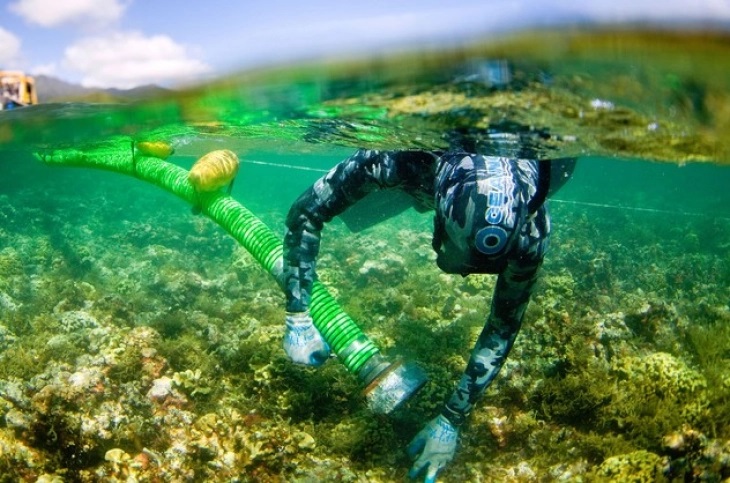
x: 489, y: 219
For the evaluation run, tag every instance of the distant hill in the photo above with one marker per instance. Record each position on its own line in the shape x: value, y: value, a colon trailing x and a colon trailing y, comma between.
x: 51, y: 89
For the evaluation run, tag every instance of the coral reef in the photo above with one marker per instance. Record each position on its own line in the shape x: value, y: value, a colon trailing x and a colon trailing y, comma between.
x: 639, y: 466
x: 155, y: 365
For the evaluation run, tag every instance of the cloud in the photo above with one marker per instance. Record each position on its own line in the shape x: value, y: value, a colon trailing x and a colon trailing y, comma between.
x: 51, y: 13
x: 9, y: 47
x: 374, y: 29
x: 45, y: 69
x: 128, y: 59
x: 650, y: 10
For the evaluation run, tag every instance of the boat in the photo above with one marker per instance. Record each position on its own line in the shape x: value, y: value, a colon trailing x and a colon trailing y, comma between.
x: 16, y: 90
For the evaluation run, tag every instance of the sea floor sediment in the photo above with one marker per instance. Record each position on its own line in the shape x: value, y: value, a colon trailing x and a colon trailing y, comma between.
x: 138, y: 342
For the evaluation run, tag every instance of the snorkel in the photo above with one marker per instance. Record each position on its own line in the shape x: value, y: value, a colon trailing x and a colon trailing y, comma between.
x: 386, y: 384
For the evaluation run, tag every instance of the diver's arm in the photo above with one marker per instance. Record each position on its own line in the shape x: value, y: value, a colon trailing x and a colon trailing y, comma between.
x: 511, y: 296
x: 352, y: 179
x: 435, y: 445
x: 347, y: 182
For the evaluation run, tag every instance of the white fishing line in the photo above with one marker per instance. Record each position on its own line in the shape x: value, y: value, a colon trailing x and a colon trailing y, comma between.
x: 280, y: 165
x: 634, y: 208
x: 552, y: 200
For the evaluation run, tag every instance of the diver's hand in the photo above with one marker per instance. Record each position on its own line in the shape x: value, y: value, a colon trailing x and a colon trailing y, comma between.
x: 434, y: 446
x: 302, y: 341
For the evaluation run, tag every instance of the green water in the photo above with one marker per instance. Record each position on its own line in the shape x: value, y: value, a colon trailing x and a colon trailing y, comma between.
x: 108, y: 284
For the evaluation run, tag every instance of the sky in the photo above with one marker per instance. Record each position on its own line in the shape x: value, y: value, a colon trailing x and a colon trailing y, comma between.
x: 128, y: 43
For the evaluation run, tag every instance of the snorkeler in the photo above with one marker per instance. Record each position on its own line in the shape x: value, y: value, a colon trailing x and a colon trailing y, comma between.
x: 491, y: 217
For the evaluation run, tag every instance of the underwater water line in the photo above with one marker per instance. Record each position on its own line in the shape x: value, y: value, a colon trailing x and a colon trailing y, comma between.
x: 552, y: 200
x: 635, y: 208
x: 387, y: 384
x: 288, y: 166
